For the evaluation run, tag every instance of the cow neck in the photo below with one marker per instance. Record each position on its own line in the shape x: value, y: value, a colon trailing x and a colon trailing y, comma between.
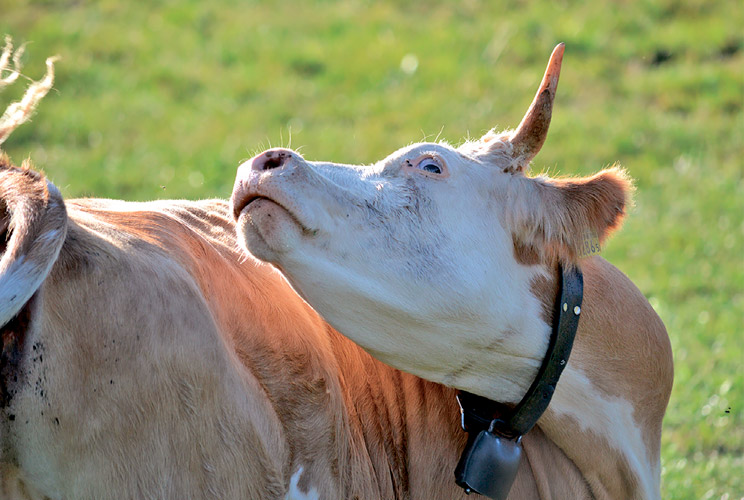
x: 508, y: 422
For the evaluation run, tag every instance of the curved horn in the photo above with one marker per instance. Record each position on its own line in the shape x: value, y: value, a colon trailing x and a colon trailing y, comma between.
x: 532, y: 131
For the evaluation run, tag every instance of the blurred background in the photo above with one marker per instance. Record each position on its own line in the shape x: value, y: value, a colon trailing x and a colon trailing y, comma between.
x: 163, y: 99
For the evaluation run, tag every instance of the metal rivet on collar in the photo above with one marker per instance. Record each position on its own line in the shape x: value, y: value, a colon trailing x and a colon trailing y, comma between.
x: 577, y: 310
x: 565, y: 307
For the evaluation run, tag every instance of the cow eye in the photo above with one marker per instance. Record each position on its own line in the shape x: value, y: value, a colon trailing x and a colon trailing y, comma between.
x: 429, y: 165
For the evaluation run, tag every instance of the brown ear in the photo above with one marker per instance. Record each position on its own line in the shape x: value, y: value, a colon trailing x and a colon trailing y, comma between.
x: 552, y: 219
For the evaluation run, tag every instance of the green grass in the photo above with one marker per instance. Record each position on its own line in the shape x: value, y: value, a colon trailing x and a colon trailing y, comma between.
x: 165, y: 101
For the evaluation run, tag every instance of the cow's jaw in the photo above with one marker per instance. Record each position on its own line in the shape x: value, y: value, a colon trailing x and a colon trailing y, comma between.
x: 269, y: 227
x: 384, y: 256
x: 269, y: 218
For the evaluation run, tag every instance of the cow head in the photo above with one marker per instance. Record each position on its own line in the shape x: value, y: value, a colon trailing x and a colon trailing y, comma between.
x: 429, y: 258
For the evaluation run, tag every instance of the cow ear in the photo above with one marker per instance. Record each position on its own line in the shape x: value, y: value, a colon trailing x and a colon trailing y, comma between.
x: 562, y: 219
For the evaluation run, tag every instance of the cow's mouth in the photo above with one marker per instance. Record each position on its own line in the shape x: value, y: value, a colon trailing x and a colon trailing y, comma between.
x: 240, y: 204
x: 239, y: 208
x: 258, y: 202
x: 249, y: 201
x: 268, y: 226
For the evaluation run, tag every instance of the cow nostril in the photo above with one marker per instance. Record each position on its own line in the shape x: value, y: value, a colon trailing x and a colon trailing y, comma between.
x: 272, y: 163
x: 271, y: 159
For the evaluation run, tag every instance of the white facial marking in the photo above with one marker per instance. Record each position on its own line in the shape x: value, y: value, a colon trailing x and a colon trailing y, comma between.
x: 611, y: 418
x: 295, y: 493
x: 415, y: 266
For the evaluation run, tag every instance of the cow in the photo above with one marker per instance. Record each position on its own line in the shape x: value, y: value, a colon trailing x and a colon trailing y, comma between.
x: 146, y: 355
x: 445, y: 262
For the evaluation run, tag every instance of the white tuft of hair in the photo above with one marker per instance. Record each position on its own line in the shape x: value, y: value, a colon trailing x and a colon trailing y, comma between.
x: 19, y: 112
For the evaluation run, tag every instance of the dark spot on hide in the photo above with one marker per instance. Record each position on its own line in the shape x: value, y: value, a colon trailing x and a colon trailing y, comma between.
x: 4, y: 223
x: 13, y: 335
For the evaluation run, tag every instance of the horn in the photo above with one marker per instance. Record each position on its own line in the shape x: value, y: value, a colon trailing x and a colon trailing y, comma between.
x: 532, y: 131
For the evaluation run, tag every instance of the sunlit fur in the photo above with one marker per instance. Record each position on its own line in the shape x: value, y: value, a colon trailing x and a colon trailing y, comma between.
x: 158, y: 361
x: 440, y: 277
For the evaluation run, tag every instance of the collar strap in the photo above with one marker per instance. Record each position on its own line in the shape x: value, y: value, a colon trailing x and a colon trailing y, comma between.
x: 479, y: 413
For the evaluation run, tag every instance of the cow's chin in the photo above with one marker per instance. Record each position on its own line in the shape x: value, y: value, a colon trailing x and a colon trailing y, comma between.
x: 268, y: 229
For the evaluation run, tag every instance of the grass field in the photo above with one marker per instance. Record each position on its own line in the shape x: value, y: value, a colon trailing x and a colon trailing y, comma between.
x: 165, y: 101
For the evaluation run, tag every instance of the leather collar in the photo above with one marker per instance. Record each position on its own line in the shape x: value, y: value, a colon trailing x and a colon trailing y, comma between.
x: 480, y: 414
